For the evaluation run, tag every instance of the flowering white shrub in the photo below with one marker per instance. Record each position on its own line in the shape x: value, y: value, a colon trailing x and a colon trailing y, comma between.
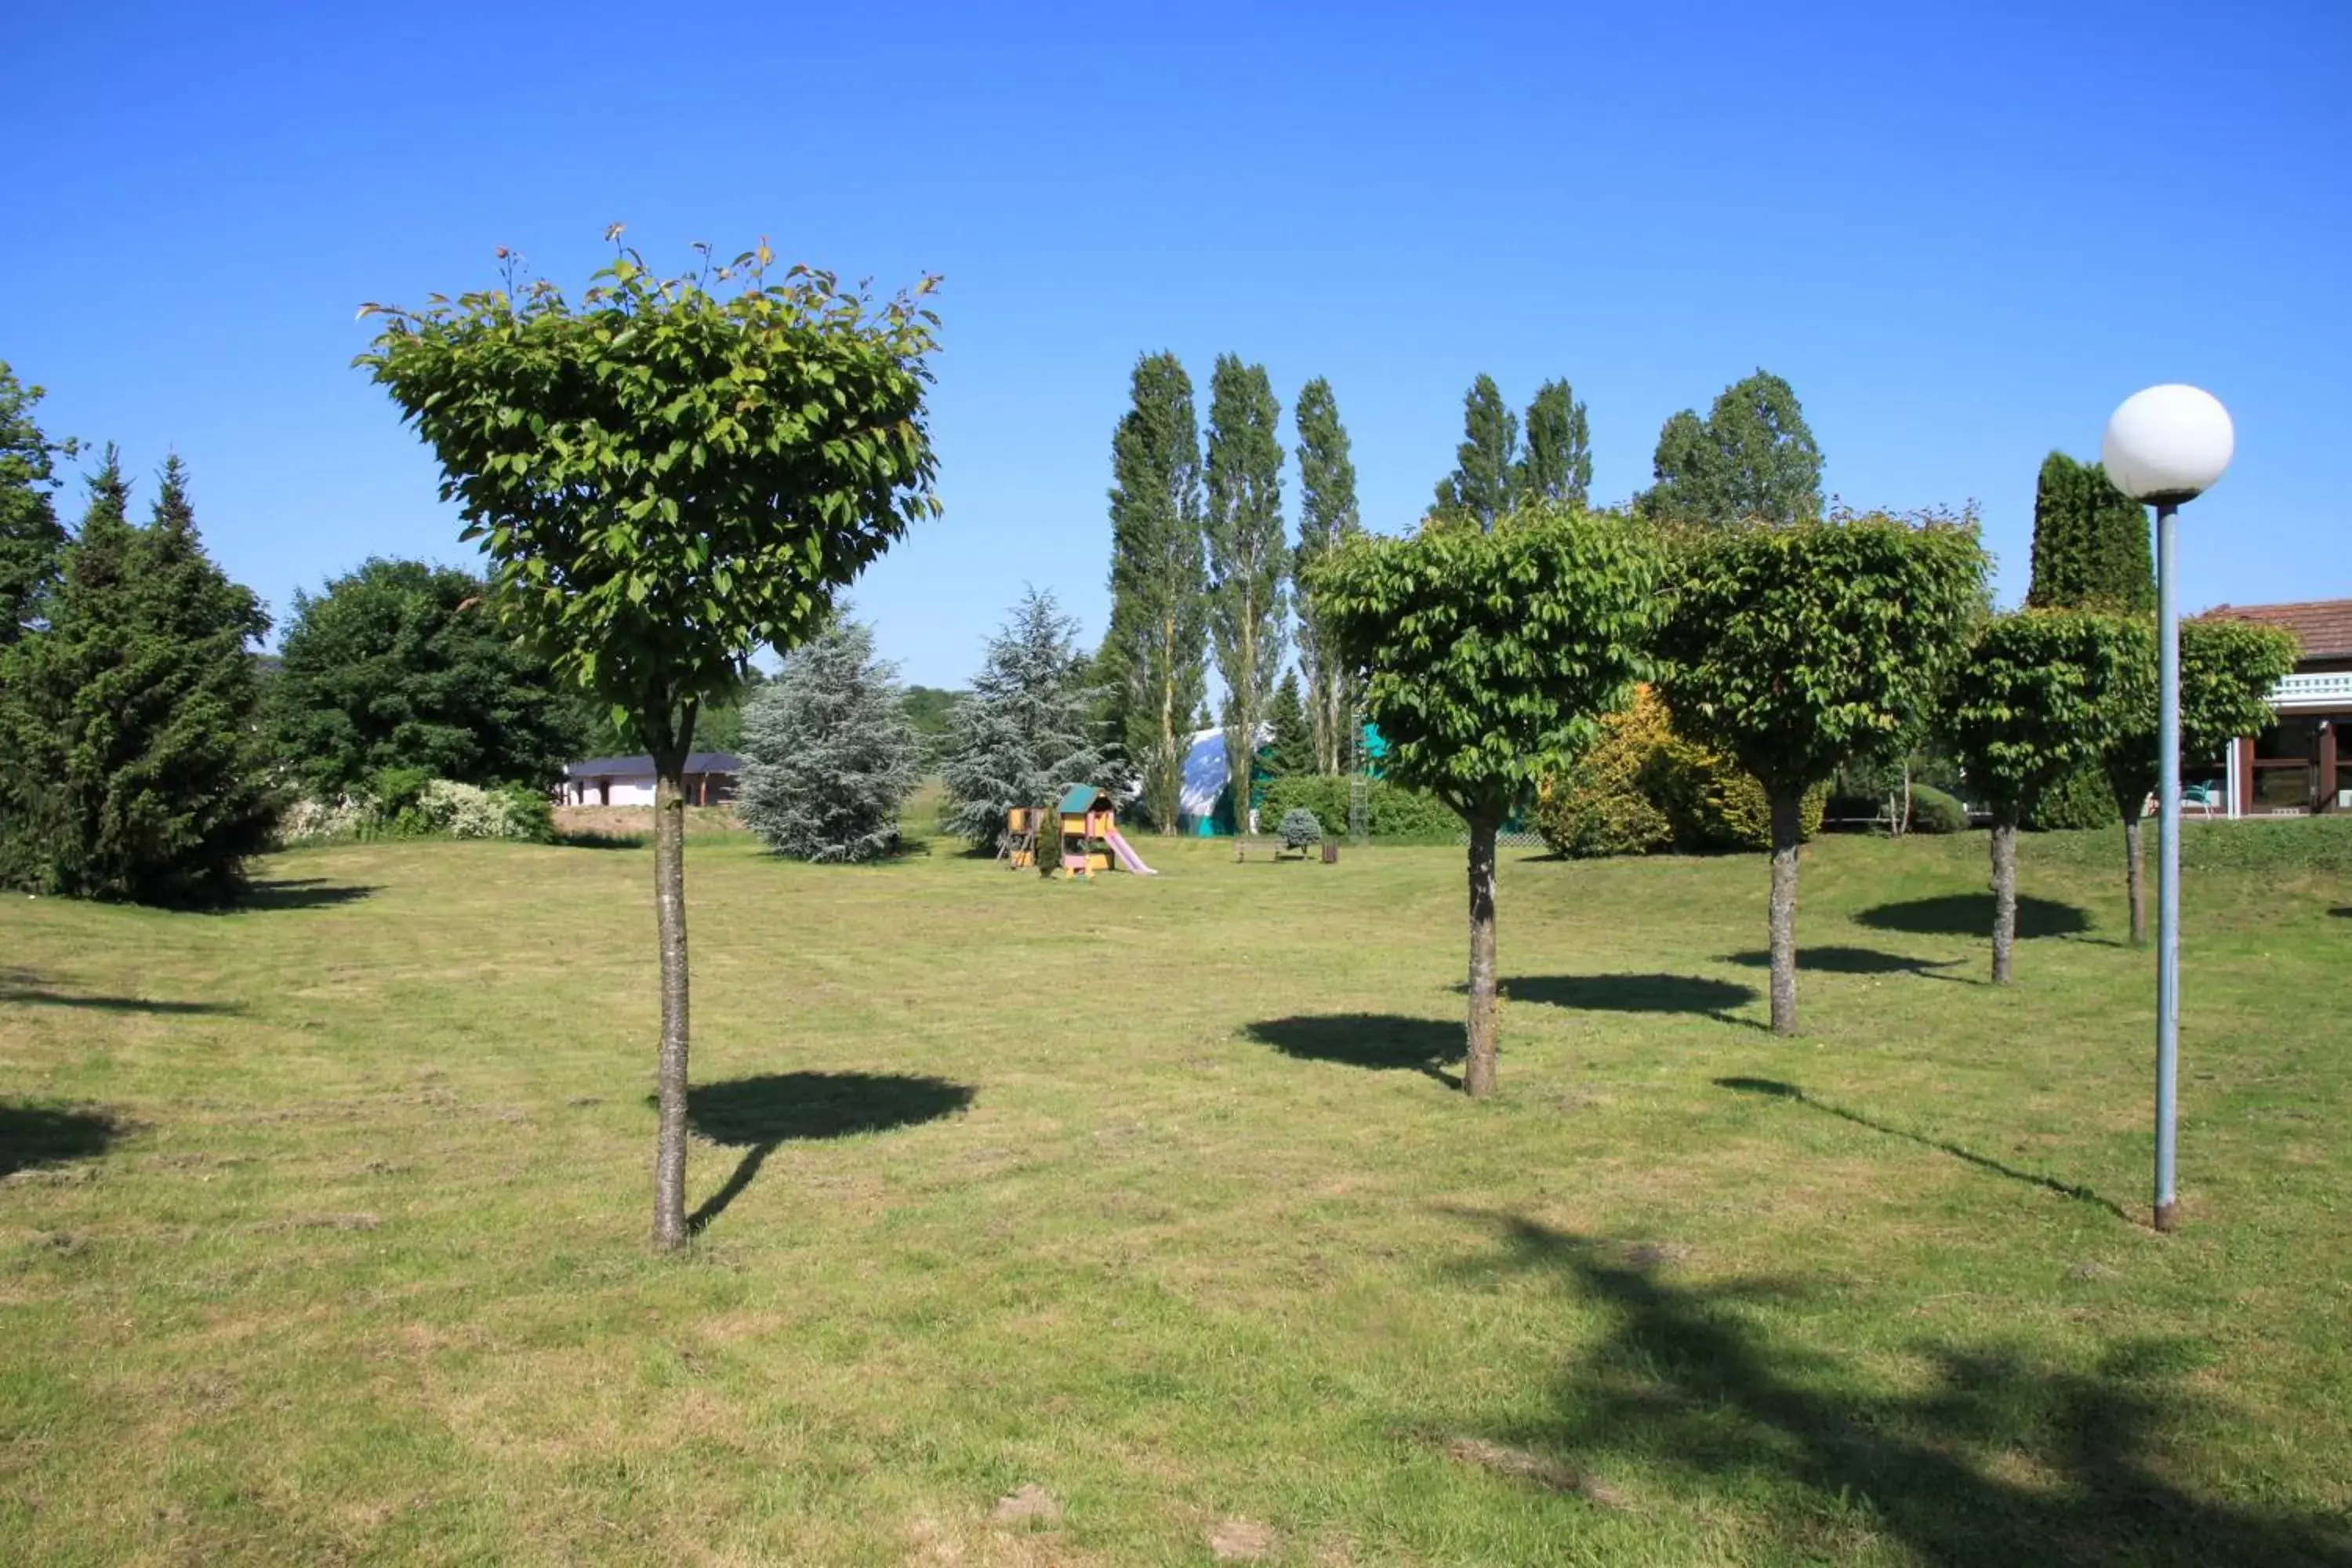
x: 309, y: 821
x: 468, y: 811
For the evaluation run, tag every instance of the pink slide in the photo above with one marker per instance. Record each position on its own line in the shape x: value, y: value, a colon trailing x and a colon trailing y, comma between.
x: 1127, y: 854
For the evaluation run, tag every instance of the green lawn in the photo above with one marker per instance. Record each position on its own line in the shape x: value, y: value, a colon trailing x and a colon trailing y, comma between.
x: 321, y: 1231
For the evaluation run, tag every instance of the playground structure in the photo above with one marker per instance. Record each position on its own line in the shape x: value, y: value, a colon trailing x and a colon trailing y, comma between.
x: 1091, y: 840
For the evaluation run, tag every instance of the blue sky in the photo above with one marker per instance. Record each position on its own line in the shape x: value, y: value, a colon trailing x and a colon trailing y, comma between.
x: 1963, y: 232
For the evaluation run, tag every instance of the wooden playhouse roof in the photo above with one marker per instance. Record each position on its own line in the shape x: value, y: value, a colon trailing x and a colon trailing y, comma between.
x: 1080, y: 800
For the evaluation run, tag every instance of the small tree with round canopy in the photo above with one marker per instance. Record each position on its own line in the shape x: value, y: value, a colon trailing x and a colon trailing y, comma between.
x: 1488, y: 659
x: 2227, y: 670
x: 667, y: 477
x: 2035, y: 700
x: 1798, y: 649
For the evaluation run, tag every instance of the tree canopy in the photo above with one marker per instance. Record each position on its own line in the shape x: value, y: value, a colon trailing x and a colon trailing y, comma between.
x: 32, y: 540
x: 1485, y: 477
x: 1752, y: 458
x: 1557, y: 462
x: 400, y: 664
x: 829, y: 753
x: 1026, y: 732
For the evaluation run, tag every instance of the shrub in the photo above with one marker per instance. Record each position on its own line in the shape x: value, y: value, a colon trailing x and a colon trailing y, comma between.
x: 1643, y: 788
x: 2082, y: 799
x: 1599, y: 808
x: 468, y: 811
x: 1933, y: 810
x: 531, y: 813
x: 317, y: 821
x: 1394, y: 812
x: 1300, y: 829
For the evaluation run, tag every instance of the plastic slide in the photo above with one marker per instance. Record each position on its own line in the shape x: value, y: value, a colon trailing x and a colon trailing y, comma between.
x: 1127, y: 858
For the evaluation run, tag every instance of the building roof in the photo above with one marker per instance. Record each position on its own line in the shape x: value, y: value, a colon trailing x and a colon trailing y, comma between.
x: 1081, y: 798
x: 627, y: 767
x: 2324, y: 626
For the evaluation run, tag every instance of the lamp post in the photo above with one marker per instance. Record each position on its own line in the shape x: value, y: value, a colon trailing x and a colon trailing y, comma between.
x: 2166, y: 446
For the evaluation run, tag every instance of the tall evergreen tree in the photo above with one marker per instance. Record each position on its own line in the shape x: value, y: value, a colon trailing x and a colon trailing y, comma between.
x: 829, y: 752
x: 2090, y: 542
x: 130, y: 765
x: 1026, y: 732
x: 31, y: 537
x: 1484, y: 484
x: 1327, y: 519
x: 1290, y: 752
x: 1249, y: 556
x: 1158, y: 611
x: 1753, y: 456
x: 1559, y: 461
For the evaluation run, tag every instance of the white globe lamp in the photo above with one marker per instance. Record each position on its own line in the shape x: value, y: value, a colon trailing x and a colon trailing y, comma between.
x: 2169, y: 443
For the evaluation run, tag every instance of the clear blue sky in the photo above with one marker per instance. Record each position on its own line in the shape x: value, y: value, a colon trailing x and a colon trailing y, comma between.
x: 1963, y: 232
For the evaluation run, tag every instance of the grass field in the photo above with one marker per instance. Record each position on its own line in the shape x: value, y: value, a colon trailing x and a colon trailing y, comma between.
x: 1137, y: 1222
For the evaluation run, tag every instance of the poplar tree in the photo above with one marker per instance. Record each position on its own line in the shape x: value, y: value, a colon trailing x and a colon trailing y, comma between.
x: 1484, y: 481
x: 1328, y: 519
x: 1249, y: 555
x: 1159, y: 581
x: 1557, y: 465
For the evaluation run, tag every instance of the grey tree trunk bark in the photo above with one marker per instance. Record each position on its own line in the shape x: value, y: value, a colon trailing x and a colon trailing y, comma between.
x: 1788, y: 830
x: 2135, y: 880
x: 2004, y: 899
x: 1478, y: 1062
x: 669, y: 913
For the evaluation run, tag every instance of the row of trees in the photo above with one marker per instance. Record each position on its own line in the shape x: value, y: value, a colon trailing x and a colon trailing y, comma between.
x: 1494, y: 656
x: 131, y: 761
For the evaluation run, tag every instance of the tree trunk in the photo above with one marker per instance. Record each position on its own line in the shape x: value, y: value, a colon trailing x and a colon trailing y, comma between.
x: 1787, y: 829
x: 2004, y: 898
x: 2135, y: 880
x: 669, y: 913
x: 1478, y: 1062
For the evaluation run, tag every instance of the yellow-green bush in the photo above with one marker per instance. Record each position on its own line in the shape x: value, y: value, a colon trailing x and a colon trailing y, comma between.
x: 1643, y: 788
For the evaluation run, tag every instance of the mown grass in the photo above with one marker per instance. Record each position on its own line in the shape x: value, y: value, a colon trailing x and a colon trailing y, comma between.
x: 321, y: 1230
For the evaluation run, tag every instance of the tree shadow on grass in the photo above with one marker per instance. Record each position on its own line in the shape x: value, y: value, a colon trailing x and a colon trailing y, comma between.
x: 588, y: 839
x: 1693, y: 993
x: 23, y: 988
x: 1775, y: 1090
x: 1836, y: 959
x: 1378, y: 1042
x: 36, y: 1135
x: 298, y: 893
x: 1970, y: 914
x: 2343, y: 914
x: 759, y: 1114
x: 2009, y: 1456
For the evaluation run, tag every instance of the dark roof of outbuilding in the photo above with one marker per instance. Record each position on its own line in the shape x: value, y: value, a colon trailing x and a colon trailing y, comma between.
x: 2324, y: 626
x: 621, y: 767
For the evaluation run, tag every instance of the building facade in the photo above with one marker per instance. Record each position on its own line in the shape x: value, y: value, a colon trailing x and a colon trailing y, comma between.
x: 710, y: 779
x: 2301, y: 765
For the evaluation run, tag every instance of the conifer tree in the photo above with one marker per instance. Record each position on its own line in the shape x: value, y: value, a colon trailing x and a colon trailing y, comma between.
x: 2090, y: 542
x: 1558, y: 462
x: 1026, y: 732
x: 1291, y: 751
x: 1484, y: 484
x: 1159, y: 614
x: 829, y: 752
x: 1249, y: 557
x: 129, y: 760
x: 1327, y: 519
x: 31, y: 537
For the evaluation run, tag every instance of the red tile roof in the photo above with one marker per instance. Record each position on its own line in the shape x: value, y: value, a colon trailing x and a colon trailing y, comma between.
x: 2322, y: 625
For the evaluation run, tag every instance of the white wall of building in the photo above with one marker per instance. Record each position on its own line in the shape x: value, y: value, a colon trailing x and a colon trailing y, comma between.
x: 629, y: 789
